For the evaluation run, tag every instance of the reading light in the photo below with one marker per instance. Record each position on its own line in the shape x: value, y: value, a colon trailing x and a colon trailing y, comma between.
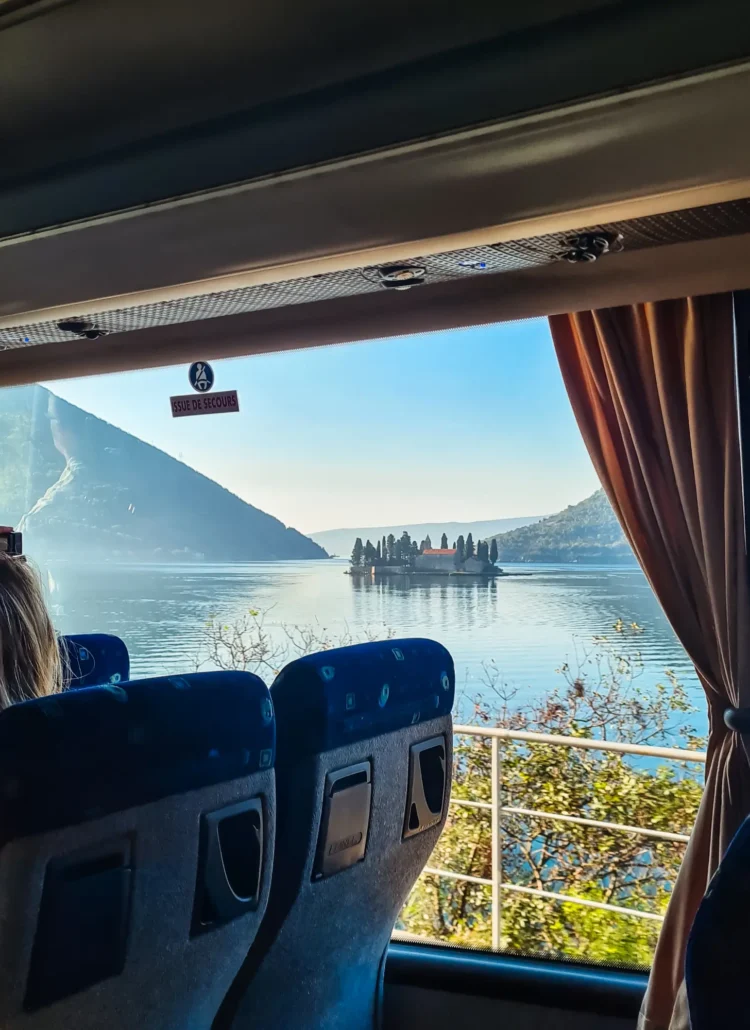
x: 401, y: 277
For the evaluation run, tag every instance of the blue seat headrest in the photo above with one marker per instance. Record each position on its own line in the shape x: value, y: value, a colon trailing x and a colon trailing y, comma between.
x: 336, y: 697
x: 93, y: 659
x: 715, y: 961
x: 79, y: 755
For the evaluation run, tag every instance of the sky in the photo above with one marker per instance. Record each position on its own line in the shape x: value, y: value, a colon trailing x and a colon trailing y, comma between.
x: 459, y: 425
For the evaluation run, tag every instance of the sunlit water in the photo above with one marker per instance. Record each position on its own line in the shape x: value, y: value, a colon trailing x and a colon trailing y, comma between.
x: 528, y: 625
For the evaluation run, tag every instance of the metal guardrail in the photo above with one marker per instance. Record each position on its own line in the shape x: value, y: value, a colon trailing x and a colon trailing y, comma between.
x: 497, y: 809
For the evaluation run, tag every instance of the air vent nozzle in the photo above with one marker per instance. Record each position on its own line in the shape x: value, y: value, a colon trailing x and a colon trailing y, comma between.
x: 81, y: 328
x: 590, y: 246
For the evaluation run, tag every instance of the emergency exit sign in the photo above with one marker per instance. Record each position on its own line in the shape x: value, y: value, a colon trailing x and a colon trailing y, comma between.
x: 222, y: 403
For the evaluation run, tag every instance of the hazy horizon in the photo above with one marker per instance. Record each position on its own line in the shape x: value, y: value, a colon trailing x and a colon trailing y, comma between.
x: 459, y: 426
x: 453, y: 523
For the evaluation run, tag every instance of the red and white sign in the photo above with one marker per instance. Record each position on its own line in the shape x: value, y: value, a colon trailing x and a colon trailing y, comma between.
x: 222, y: 403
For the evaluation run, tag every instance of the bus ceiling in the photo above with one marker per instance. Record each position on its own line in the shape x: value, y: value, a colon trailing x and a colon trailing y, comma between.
x: 156, y: 154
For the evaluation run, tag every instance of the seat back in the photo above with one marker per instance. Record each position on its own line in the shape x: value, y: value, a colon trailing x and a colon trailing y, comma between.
x: 363, y: 783
x: 716, y: 958
x: 136, y: 843
x: 93, y: 659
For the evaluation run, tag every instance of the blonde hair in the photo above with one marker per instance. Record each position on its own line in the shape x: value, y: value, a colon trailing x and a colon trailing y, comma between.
x: 30, y: 663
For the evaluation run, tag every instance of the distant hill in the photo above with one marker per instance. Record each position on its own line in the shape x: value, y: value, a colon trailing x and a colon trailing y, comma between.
x: 584, y: 532
x: 341, y: 541
x: 82, y: 488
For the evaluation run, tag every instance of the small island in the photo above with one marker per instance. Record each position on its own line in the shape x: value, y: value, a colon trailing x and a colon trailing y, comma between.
x: 404, y: 556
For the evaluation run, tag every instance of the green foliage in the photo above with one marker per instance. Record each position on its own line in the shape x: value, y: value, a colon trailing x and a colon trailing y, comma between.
x: 469, y: 549
x: 584, y: 532
x: 600, y: 698
x: 460, y: 550
x: 358, y: 552
x: 444, y: 542
x: 249, y: 644
x: 493, y: 551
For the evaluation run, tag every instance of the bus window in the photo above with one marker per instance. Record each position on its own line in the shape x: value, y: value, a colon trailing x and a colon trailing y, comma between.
x: 433, y: 485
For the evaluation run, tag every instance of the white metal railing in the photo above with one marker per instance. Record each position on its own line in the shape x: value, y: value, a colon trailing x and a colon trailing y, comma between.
x: 497, y: 809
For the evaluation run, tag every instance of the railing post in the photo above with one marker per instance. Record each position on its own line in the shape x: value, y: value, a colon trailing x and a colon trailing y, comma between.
x: 496, y: 849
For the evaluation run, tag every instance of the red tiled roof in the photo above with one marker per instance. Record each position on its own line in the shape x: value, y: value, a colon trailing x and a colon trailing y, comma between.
x: 439, y: 550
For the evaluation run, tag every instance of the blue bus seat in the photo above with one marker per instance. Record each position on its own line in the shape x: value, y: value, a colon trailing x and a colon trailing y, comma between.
x: 716, y: 957
x: 93, y: 659
x: 136, y: 843
x: 363, y: 783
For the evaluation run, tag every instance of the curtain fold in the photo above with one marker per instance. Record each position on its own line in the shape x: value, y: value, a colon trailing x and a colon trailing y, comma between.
x: 652, y: 389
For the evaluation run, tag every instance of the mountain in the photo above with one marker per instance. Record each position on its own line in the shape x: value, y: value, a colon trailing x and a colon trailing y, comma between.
x: 79, y: 487
x: 583, y: 532
x: 341, y: 541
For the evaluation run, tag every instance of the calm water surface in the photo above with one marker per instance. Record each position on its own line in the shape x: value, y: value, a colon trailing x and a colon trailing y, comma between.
x: 527, y: 625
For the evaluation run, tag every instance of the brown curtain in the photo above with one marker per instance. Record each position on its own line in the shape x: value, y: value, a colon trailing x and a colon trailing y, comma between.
x: 652, y: 388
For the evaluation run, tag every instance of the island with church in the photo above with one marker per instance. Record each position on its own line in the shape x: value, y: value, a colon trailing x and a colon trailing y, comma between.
x: 403, y: 556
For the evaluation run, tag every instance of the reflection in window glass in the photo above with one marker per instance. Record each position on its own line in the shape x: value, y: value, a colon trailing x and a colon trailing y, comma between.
x: 433, y: 486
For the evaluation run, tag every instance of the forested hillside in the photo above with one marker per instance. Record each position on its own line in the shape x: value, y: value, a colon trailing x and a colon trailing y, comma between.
x: 80, y: 488
x: 584, y: 532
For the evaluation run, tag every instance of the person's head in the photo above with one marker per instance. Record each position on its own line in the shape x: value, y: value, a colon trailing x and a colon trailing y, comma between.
x: 30, y: 663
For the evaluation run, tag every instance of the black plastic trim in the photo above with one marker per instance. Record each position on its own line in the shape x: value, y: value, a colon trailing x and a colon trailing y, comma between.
x: 545, y: 982
x: 496, y: 79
